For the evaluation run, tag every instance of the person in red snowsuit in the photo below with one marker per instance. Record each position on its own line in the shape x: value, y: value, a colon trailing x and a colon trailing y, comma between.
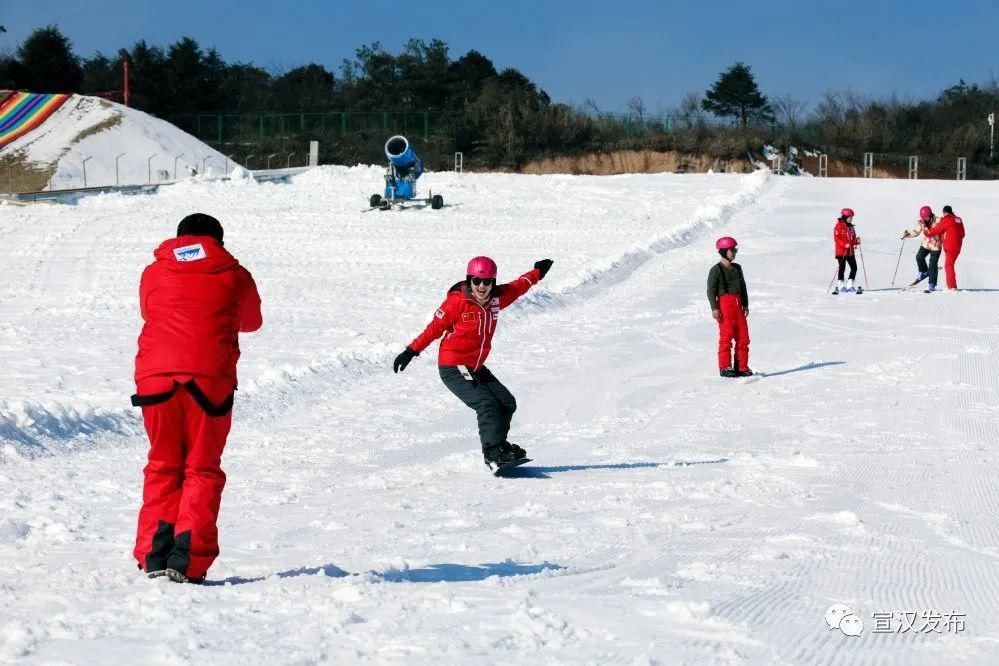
x: 194, y: 299
x: 729, y: 301
x: 467, y: 319
x: 846, y: 240
x: 950, y: 229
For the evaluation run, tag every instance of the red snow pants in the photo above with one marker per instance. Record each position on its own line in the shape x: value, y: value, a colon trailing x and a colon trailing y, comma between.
x: 732, y: 326
x: 183, y: 479
x: 950, y: 258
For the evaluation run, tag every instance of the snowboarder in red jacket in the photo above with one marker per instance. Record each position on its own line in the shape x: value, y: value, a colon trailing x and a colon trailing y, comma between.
x: 194, y: 299
x: 467, y: 319
x: 950, y: 229
x: 846, y: 239
x: 729, y: 302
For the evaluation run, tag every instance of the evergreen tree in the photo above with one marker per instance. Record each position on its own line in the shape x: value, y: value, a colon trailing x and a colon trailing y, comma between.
x: 736, y: 95
x: 49, y: 62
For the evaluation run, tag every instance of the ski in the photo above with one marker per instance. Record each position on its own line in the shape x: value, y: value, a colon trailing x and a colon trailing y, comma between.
x: 910, y: 286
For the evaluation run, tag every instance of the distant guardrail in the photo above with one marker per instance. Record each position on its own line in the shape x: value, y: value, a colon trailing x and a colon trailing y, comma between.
x: 73, y: 194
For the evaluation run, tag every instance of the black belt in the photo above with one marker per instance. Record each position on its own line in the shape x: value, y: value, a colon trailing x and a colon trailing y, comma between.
x: 196, y: 393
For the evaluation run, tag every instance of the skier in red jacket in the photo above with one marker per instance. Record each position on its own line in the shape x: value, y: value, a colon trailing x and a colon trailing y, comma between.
x: 729, y: 302
x: 847, y: 240
x: 194, y: 299
x: 467, y: 319
x: 951, y: 229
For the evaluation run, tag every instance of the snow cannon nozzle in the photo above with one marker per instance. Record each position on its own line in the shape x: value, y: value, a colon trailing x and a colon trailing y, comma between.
x: 399, y: 152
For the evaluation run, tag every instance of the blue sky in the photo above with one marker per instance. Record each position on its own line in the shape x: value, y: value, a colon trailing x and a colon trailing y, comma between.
x: 607, y: 51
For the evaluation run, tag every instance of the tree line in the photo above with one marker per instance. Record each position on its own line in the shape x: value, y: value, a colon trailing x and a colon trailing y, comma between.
x: 499, y: 117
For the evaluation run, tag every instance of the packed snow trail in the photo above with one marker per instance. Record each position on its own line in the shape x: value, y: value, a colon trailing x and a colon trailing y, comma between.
x: 668, y: 516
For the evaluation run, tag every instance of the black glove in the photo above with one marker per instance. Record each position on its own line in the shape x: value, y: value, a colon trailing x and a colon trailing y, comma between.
x: 403, y: 359
x: 543, y: 266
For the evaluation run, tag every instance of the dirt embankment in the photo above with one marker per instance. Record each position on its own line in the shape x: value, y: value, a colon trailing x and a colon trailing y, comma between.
x: 635, y: 161
x: 649, y: 161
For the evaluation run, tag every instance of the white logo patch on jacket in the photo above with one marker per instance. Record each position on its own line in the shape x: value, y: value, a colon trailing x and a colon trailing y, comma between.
x: 194, y: 252
x: 495, y: 307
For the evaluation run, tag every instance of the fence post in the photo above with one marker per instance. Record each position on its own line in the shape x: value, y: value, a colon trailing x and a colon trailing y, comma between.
x: 269, y: 159
x: 248, y: 160
x: 823, y: 166
x: 116, y: 183
x: 913, y: 167
x: 868, y: 165
x: 85, y: 160
x: 175, y: 165
x: 149, y: 168
x: 962, y: 168
x: 288, y: 163
x: 313, y: 153
x: 203, y: 162
x: 459, y: 162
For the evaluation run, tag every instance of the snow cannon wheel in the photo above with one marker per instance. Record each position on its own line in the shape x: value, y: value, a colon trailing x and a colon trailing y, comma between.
x: 375, y: 201
x: 436, y: 202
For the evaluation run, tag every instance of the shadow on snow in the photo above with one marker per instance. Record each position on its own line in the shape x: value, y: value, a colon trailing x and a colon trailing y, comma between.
x: 807, y: 366
x: 433, y: 573
x: 526, y: 472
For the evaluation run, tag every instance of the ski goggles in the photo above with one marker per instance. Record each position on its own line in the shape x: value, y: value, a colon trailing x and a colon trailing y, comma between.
x: 486, y: 281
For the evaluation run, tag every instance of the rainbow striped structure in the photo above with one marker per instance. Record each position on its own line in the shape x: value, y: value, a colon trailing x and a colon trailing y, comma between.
x: 22, y: 112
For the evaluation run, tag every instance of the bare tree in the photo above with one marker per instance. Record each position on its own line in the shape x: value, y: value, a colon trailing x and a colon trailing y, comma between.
x: 690, y: 112
x: 790, y: 111
x: 636, y: 105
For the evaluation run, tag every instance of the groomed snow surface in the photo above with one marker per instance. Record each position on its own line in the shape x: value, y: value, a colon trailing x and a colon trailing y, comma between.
x: 669, y: 516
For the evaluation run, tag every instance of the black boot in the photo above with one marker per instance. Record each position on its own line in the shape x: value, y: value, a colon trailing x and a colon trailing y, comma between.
x: 495, y: 456
x: 729, y: 372
x: 518, y: 453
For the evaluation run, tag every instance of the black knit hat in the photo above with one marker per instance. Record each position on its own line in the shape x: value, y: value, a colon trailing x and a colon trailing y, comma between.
x: 200, y: 224
x: 947, y: 209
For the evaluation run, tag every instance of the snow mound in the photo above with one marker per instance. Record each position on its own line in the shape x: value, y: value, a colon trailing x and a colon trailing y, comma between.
x: 145, y: 148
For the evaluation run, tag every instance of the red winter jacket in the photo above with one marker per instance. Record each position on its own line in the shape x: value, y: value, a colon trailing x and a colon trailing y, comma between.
x: 468, y: 327
x: 951, y: 229
x: 846, y: 239
x: 195, y: 299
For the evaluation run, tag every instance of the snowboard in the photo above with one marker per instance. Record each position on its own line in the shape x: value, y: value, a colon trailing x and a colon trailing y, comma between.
x: 505, y: 470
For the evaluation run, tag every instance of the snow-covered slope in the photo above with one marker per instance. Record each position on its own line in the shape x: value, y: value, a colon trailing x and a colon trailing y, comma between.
x: 101, y: 130
x: 669, y: 516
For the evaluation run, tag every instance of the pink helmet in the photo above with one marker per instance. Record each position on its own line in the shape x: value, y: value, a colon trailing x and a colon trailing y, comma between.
x: 725, y: 243
x: 846, y: 212
x: 482, y: 267
x: 925, y: 213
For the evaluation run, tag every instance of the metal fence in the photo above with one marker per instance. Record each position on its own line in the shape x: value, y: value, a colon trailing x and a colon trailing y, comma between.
x: 223, y: 128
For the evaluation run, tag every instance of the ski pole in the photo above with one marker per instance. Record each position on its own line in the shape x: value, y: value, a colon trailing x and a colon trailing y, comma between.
x: 835, y: 274
x: 898, y: 263
x: 866, y: 281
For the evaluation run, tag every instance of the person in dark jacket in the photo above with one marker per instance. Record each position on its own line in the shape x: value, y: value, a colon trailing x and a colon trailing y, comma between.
x: 729, y: 301
x: 467, y: 319
x: 194, y: 299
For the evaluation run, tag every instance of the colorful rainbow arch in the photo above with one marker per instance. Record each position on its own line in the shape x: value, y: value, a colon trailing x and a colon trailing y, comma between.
x: 22, y: 112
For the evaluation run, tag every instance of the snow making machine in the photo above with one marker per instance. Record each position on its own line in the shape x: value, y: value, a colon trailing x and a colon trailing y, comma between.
x: 404, y: 169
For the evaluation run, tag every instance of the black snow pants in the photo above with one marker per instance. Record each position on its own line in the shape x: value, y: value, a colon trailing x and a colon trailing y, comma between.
x: 843, y: 261
x: 493, y: 403
x: 930, y: 270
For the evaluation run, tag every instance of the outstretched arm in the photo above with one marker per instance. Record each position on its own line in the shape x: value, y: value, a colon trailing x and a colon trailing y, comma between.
x: 511, y: 291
